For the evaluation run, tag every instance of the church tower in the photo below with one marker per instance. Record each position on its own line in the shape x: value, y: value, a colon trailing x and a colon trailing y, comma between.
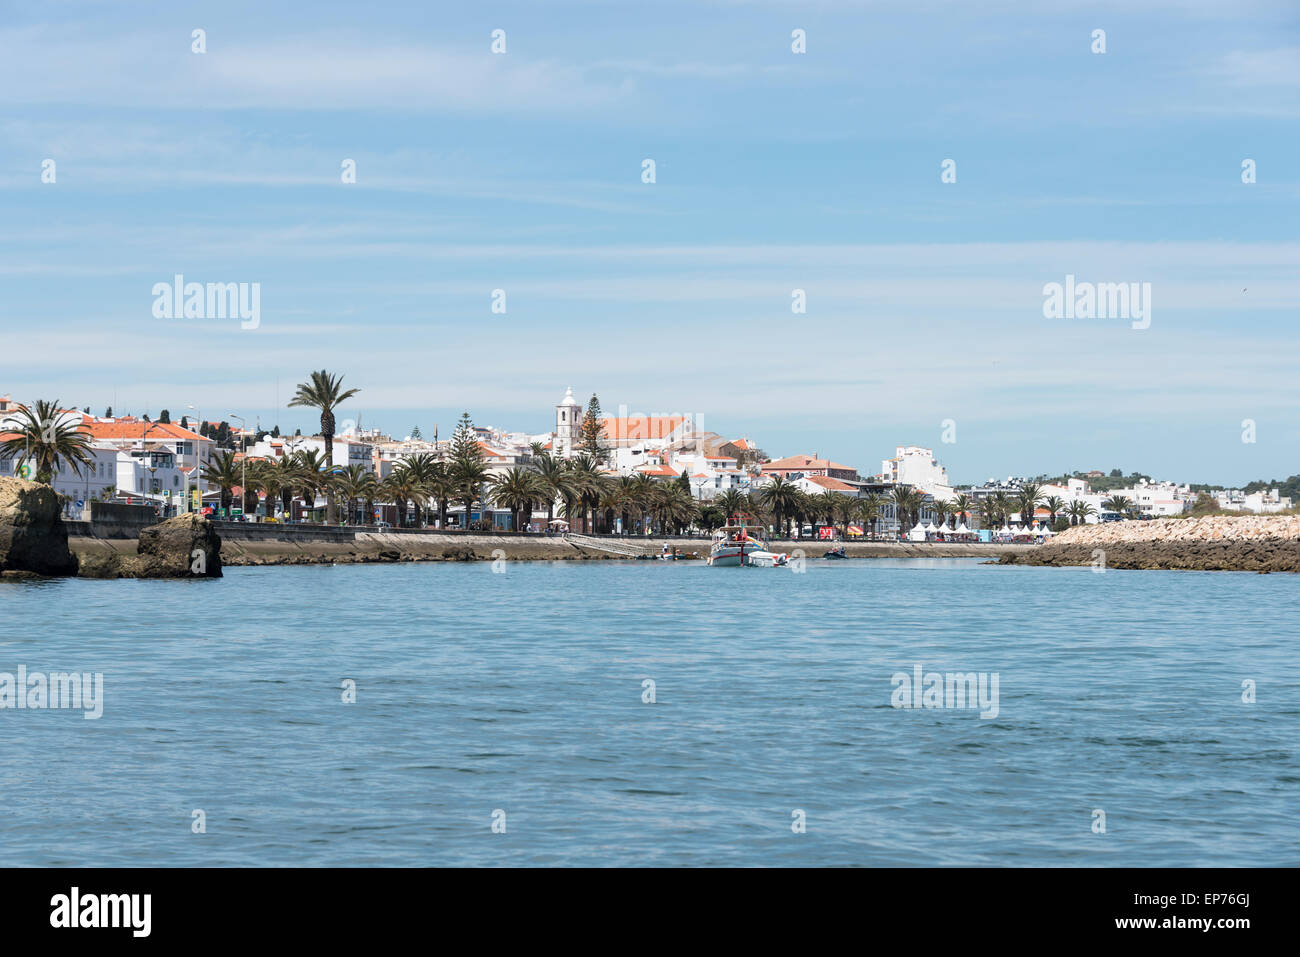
x: 568, y: 419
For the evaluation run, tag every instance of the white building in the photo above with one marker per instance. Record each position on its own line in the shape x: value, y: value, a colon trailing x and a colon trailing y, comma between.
x: 917, y: 467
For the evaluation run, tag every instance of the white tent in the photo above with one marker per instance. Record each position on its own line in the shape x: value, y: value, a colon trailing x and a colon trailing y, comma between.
x: 962, y: 529
x: 933, y: 529
x: 917, y: 534
x: 1046, y: 531
x: 1004, y: 530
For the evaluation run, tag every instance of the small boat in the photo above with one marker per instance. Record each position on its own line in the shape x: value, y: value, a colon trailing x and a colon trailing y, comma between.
x: 732, y: 545
x: 836, y: 553
x: 766, y: 559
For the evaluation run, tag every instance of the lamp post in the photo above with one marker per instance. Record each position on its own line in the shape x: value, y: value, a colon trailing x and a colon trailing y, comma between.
x: 198, y: 460
x: 243, y: 463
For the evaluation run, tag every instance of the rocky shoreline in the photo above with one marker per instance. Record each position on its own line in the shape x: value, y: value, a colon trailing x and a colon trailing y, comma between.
x: 1214, y: 543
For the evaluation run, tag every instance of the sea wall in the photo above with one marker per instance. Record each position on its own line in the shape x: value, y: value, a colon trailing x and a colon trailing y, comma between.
x: 271, y: 544
x: 1216, y: 543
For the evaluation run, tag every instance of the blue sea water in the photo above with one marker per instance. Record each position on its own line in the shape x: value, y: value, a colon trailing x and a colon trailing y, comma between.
x: 522, y: 692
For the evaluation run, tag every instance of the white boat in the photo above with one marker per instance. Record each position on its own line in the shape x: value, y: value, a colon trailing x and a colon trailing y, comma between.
x: 733, y: 545
x: 766, y: 559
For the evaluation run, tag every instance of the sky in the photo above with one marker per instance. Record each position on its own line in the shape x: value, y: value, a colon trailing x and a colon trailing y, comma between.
x: 774, y: 171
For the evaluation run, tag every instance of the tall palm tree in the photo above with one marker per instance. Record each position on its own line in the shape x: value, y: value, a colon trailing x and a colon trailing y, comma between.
x: 48, y: 439
x: 326, y: 393
x: 942, y: 509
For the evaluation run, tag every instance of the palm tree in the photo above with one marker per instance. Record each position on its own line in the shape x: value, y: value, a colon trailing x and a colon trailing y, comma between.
x: 870, y: 509
x: 516, y: 490
x: 324, y: 392
x: 49, y: 439
x: 822, y: 505
x: 941, y: 509
x: 584, y: 474
x: 781, y: 496
x: 847, y: 509
x: 223, y: 472
x: 1079, y: 512
x: 308, y: 475
x: 352, y: 484
x: 551, y: 475
x: 1029, y: 498
x: 1053, y: 504
x: 1118, y: 504
x: 903, y: 500
x: 1001, y: 506
x: 961, y: 508
x: 733, y: 504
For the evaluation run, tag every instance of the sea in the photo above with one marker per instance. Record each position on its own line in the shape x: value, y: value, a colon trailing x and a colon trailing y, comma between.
x: 836, y: 713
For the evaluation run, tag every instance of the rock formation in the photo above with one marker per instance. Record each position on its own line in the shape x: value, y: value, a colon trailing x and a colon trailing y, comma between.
x: 33, y: 539
x: 1263, y: 543
x: 186, y: 546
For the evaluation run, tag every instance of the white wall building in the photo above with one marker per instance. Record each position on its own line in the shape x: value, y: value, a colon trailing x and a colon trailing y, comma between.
x: 916, y: 466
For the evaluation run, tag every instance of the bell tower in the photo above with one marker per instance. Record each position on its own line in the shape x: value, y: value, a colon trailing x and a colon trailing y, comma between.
x: 568, y: 417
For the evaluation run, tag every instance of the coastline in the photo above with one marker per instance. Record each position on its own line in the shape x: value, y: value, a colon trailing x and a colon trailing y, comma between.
x: 315, y: 546
x: 1216, y: 543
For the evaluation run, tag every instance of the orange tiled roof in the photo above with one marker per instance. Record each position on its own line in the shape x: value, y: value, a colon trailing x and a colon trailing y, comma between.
x: 825, y: 481
x: 136, y: 429
x: 795, y: 462
x: 637, y: 427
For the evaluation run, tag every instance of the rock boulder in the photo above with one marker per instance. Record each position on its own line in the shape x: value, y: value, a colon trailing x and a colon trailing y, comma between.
x: 186, y: 546
x: 33, y: 538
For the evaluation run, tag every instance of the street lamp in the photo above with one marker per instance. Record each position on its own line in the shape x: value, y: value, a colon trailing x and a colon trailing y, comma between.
x: 243, y: 462
x: 198, y: 459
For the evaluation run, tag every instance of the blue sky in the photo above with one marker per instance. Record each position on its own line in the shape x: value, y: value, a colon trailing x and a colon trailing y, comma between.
x: 775, y: 171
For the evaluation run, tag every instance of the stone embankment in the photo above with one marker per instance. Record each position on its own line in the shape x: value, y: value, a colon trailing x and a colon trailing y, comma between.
x: 1264, y: 543
x: 267, y: 544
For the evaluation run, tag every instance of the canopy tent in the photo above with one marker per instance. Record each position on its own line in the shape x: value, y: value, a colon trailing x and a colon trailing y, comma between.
x: 933, y: 529
x: 962, y: 529
x: 917, y: 534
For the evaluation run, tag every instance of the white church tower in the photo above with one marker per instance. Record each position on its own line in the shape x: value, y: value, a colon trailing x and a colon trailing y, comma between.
x: 568, y: 419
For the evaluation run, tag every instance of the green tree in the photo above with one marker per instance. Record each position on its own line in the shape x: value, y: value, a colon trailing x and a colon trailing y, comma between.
x: 468, y: 465
x: 48, y: 439
x: 592, y: 431
x: 324, y: 392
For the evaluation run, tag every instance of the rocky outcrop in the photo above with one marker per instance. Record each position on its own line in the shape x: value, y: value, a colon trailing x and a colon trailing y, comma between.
x: 1265, y: 543
x: 186, y: 546
x: 33, y: 540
